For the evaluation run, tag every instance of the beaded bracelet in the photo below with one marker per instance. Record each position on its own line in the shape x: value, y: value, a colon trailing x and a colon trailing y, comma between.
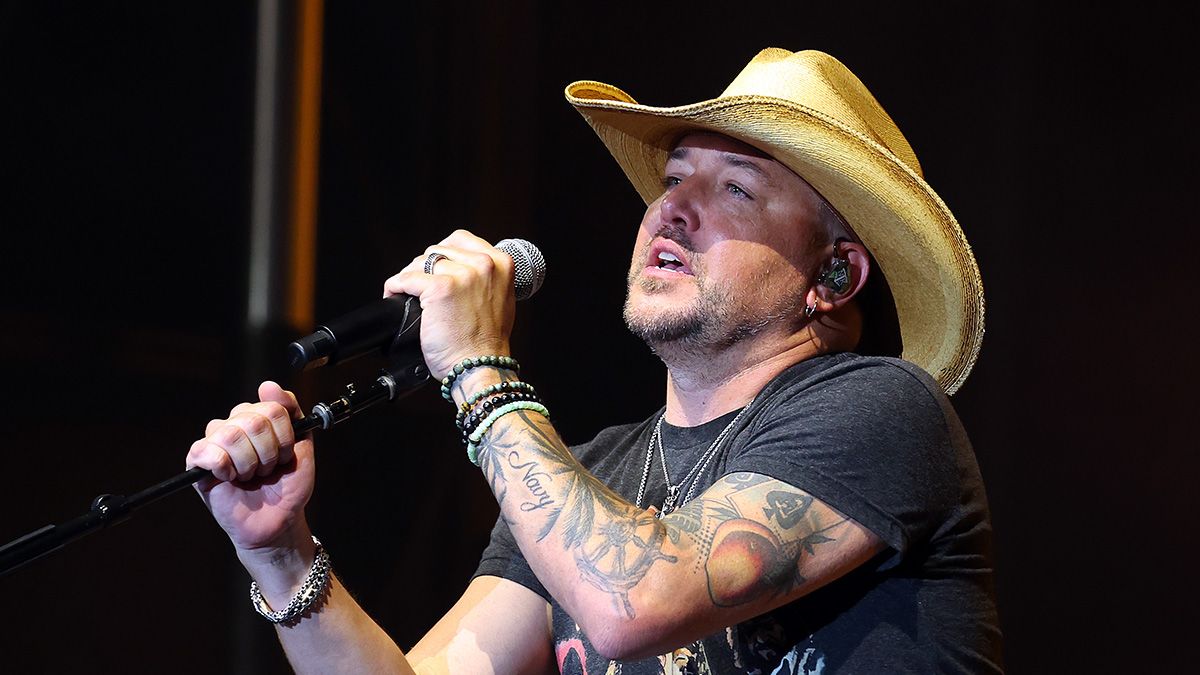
x: 487, y: 400
x: 514, y: 387
x: 498, y: 388
x: 314, y: 586
x: 505, y: 362
x: 471, y: 421
x: 477, y: 436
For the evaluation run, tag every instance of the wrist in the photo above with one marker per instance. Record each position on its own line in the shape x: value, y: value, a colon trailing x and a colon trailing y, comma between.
x: 478, y: 379
x: 280, y: 569
x: 475, y: 373
x: 307, y: 598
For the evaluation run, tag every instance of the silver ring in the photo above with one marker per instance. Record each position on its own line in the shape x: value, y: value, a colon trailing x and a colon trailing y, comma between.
x: 431, y: 260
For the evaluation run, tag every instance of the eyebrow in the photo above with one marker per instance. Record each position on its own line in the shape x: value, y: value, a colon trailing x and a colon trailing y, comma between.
x: 730, y: 159
x: 735, y: 161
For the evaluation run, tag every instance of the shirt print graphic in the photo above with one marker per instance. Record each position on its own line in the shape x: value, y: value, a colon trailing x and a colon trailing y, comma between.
x: 573, y: 656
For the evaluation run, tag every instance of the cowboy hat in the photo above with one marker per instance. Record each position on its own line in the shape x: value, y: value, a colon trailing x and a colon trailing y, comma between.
x: 809, y: 112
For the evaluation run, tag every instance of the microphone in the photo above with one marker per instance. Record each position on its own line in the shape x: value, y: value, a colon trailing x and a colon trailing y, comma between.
x: 392, y: 325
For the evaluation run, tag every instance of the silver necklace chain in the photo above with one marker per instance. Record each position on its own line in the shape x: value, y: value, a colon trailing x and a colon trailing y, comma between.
x: 671, y: 502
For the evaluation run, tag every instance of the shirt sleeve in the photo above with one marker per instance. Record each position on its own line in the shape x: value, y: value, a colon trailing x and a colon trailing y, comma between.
x: 872, y: 442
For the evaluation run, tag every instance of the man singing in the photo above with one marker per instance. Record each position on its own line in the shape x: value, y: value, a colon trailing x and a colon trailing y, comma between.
x: 803, y: 502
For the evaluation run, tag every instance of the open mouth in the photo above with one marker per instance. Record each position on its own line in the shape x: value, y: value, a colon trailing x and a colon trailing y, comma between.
x: 662, y: 258
x: 670, y: 262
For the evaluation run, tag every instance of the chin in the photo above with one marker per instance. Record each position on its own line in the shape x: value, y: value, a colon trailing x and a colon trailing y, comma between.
x: 653, y: 301
x: 658, y: 323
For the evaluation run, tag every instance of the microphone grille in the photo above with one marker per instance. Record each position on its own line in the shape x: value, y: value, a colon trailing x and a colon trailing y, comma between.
x: 529, y: 267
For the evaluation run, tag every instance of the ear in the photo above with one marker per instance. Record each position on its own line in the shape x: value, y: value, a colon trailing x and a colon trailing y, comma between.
x: 858, y: 268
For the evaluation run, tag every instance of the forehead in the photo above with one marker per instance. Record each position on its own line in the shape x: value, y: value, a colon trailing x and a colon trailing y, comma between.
x: 747, y: 156
x: 704, y: 140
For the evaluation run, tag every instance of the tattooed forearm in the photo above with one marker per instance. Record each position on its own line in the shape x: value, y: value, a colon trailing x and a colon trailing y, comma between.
x: 501, y: 452
x: 747, y: 538
x: 619, y: 558
x: 531, y: 474
x: 612, y: 543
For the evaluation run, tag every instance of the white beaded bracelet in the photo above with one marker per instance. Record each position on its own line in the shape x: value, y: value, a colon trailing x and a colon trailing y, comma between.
x: 477, y: 436
x: 314, y: 586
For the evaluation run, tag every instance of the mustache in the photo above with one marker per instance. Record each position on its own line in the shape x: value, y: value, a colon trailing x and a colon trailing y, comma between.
x: 678, y: 234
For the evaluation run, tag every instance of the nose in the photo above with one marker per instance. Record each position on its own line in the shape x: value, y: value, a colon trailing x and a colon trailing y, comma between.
x: 678, y: 208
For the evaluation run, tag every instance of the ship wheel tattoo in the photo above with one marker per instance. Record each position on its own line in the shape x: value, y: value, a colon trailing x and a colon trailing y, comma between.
x: 622, y: 555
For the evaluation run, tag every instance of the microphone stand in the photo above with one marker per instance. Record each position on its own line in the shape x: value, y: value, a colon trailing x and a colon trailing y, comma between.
x: 106, y: 510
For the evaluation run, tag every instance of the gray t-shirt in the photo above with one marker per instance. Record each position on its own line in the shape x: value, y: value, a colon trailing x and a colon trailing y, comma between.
x: 877, y: 440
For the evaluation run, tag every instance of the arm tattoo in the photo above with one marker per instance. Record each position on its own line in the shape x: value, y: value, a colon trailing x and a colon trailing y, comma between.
x: 613, y: 544
x: 745, y: 559
x: 749, y: 537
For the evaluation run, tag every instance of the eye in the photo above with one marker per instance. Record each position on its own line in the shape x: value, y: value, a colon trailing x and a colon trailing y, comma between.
x: 736, y: 190
x: 671, y: 181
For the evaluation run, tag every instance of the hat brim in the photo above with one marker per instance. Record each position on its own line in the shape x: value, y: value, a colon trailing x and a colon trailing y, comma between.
x: 913, y: 236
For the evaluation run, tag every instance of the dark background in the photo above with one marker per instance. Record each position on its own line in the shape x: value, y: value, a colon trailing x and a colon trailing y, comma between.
x: 1063, y: 139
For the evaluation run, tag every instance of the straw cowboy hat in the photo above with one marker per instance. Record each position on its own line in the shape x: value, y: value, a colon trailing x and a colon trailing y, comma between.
x: 812, y: 114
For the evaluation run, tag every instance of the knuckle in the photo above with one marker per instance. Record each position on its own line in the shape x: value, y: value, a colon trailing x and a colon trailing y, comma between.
x: 485, y: 263
x: 295, y: 404
x: 255, y: 424
x: 276, y: 412
x: 395, y: 283
x: 281, y: 422
x: 195, y: 451
x: 219, y: 462
x: 228, y: 435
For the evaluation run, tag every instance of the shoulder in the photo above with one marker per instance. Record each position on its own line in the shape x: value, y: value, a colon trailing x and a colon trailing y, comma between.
x: 853, y: 420
x: 873, y: 437
x: 858, y: 388
x: 830, y: 372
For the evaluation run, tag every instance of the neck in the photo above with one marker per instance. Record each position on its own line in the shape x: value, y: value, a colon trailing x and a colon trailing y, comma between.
x: 702, y: 389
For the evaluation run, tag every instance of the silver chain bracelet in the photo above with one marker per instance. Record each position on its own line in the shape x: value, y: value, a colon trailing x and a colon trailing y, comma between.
x: 314, y: 586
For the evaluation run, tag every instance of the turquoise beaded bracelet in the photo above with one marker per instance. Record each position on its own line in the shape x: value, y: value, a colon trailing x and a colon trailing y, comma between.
x: 477, y: 435
x: 504, y: 362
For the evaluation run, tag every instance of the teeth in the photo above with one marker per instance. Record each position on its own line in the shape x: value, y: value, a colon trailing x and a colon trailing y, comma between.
x: 668, y: 257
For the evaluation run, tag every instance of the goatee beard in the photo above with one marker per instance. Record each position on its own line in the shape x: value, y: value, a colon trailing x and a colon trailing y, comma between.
x: 684, y: 331
x: 706, y: 326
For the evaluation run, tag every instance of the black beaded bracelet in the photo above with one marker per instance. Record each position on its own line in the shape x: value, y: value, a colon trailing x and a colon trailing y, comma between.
x: 479, y: 413
x: 504, y: 362
x: 498, y: 388
x: 485, y: 407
